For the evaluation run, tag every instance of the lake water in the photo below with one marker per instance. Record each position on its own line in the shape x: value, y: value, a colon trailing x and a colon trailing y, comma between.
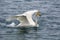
x: 49, y: 28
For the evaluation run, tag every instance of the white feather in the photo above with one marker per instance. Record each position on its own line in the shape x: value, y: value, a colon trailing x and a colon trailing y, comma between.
x: 26, y: 18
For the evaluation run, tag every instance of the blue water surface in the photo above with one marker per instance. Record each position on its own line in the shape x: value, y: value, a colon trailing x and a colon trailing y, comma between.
x: 49, y: 28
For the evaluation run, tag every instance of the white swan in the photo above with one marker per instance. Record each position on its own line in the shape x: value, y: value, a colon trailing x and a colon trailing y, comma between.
x: 26, y: 18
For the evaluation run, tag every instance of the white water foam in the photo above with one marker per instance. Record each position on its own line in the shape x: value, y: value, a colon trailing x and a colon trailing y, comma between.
x: 11, y: 25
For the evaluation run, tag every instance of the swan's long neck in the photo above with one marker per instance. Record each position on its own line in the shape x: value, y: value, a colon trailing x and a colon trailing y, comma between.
x: 30, y: 20
x: 29, y: 17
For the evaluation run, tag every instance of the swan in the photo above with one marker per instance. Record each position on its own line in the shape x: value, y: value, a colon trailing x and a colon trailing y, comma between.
x: 26, y: 20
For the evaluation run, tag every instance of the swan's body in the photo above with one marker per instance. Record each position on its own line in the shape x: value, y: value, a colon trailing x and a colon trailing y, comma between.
x: 26, y: 18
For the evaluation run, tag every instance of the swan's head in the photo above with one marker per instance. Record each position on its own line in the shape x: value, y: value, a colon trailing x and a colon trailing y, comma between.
x: 37, y: 12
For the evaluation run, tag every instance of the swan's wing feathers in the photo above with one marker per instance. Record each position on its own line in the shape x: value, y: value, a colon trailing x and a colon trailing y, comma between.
x: 14, y: 16
x: 23, y: 19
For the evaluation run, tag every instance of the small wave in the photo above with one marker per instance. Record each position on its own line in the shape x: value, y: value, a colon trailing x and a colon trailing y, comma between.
x: 11, y: 25
x: 8, y: 25
x: 2, y: 24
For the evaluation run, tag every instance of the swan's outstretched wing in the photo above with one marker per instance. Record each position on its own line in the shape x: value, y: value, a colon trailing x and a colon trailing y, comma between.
x: 22, y: 19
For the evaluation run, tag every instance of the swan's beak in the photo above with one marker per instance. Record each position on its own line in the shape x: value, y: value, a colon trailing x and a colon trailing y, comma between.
x: 38, y: 14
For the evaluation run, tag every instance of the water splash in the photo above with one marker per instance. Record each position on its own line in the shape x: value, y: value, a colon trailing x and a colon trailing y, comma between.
x: 11, y: 25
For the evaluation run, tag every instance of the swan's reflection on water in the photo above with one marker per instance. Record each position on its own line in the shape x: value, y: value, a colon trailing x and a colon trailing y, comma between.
x: 19, y: 33
x: 26, y: 30
x: 27, y: 34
